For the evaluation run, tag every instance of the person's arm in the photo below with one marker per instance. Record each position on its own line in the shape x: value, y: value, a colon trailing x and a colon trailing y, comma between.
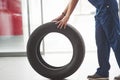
x: 67, y: 13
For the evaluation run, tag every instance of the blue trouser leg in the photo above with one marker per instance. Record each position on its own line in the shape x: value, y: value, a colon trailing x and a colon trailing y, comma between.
x: 107, y: 36
x: 107, y: 33
x: 116, y: 49
x: 103, y: 50
x: 115, y: 41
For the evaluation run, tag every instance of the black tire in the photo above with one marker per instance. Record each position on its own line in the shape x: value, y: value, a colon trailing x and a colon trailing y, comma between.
x: 46, y: 70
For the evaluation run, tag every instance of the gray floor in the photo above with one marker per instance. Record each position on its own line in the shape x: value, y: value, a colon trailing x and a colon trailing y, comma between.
x: 18, y: 68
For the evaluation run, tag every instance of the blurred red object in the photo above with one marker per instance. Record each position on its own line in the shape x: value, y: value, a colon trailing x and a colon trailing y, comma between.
x: 14, y: 6
x: 10, y: 17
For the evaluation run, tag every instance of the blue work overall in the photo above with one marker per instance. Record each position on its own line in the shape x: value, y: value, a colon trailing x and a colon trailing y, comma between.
x: 107, y: 33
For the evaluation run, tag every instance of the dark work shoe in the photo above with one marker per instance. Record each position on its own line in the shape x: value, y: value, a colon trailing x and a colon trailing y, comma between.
x: 117, y: 78
x: 97, y: 77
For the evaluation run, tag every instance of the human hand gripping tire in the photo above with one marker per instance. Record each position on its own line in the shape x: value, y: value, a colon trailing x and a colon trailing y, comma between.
x: 61, y: 21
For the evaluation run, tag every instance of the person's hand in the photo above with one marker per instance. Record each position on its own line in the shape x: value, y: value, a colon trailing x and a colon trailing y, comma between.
x: 62, y: 23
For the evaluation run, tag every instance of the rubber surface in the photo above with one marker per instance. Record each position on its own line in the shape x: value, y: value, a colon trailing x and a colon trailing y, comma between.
x: 36, y: 60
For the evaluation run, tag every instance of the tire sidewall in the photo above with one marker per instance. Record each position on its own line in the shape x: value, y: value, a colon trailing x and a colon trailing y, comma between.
x: 40, y: 65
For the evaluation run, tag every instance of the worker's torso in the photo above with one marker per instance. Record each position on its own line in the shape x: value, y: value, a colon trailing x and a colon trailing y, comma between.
x: 102, y: 5
x: 105, y: 9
